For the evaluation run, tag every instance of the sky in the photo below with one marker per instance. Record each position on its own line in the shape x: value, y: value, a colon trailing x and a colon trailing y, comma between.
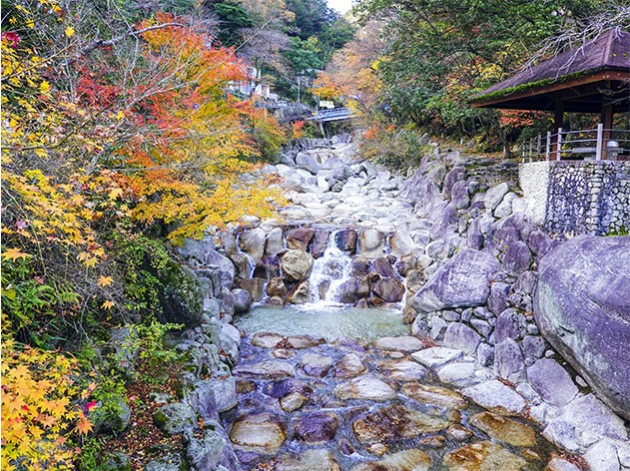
x: 342, y: 6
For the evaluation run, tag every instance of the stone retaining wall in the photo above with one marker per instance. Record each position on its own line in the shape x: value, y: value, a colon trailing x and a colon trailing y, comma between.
x: 578, y: 197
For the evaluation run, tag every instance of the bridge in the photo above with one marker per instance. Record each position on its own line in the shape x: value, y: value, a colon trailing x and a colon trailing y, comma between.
x: 335, y: 114
x: 290, y: 114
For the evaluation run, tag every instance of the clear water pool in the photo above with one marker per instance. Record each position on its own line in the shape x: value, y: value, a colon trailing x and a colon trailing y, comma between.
x: 329, y: 322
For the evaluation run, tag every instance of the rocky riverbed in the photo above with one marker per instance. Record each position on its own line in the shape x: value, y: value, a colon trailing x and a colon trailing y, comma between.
x: 474, y: 386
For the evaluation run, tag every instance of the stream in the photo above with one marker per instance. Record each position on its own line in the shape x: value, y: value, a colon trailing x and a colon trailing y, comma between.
x: 323, y: 386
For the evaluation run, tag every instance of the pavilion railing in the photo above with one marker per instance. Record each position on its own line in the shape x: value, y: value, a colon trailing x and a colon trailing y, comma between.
x: 587, y: 144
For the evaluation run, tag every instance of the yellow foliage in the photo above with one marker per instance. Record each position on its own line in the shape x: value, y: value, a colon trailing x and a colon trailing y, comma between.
x: 40, y: 411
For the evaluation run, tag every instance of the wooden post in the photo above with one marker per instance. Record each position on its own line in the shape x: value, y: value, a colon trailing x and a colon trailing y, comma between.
x: 558, y: 117
x: 548, y: 149
x: 559, y: 145
x: 538, y: 148
x: 600, y: 141
x: 531, y: 144
x: 607, y: 121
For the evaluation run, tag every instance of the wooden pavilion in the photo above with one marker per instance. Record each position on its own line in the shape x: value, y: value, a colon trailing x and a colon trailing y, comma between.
x: 594, y: 78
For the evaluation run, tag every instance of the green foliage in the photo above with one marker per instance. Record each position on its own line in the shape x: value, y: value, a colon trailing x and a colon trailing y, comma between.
x: 138, y: 260
x: 312, y: 17
x: 33, y: 301
x: 442, y: 52
x: 232, y: 18
x: 304, y: 56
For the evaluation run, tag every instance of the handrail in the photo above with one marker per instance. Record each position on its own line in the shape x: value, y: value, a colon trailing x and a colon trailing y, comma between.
x: 577, y: 144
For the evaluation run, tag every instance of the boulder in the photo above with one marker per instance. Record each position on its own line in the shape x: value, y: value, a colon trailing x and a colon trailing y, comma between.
x: 242, y: 300
x: 495, y: 195
x: 582, y: 306
x: 298, y: 239
x: 180, y: 295
x: 296, y: 265
x: 175, y: 418
x: 372, y: 243
x: 461, y: 282
x: 276, y: 287
x: 301, y: 294
x: 274, y: 244
x: 252, y: 242
x: 201, y: 254
x: 389, y: 290
x: 346, y: 240
x: 308, y: 163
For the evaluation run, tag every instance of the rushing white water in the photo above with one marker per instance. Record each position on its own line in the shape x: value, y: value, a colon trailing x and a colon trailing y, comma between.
x: 330, y: 271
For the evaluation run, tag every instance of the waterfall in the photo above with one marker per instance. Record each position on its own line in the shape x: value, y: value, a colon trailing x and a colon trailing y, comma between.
x: 329, y: 273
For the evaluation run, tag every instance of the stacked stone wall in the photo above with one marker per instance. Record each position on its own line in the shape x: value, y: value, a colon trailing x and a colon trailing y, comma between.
x: 588, y: 198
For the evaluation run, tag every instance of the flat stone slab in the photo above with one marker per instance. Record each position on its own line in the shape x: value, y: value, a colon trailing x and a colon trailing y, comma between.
x: 270, y: 369
x: 504, y: 430
x: 266, y: 339
x: 403, y: 344
x: 434, y: 395
x: 314, y: 364
x: 310, y: 460
x: 407, y: 460
x: 436, y: 357
x: 496, y: 396
x: 365, y: 387
x: 585, y: 421
x: 349, y: 366
x: 261, y: 433
x: 484, y: 456
x: 401, y: 370
x: 395, y: 423
x: 462, y: 374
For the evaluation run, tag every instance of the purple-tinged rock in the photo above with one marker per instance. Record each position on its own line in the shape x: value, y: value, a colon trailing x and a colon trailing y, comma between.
x: 525, y: 283
x: 458, y: 174
x: 389, y: 290
x: 510, y: 324
x: 552, y: 382
x: 298, y: 239
x: 539, y: 243
x: 517, y: 258
x: 384, y: 268
x: 461, y: 337
x: 319, y: 243
x: 533, y: 346
x: 317, y: 427
x: 460, y: 198
x: 582, y: 307
x: 508, y: 360
x: 497, y: 302
x: 462, y: 281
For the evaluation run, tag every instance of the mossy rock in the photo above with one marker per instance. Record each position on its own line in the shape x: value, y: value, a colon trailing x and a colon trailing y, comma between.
x: 175, y: 418
x: 181, y: 296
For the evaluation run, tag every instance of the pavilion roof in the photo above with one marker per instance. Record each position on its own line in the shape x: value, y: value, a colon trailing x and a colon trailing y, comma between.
x: 583, y: 70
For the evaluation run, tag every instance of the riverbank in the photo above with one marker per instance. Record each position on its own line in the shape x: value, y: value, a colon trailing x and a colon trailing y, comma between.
x: 450, y: 247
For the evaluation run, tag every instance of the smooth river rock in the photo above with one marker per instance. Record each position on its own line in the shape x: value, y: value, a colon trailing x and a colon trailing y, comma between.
x: 365, y: 387
x: 407, y: 460
x: 395, y: 423
x: 496, y: 396
x: 504, y: 430
x: 434, y: 395
x: 462, y: 281
x: 260, y: 433
x: 296, y: 265
x: 484, y: 456
x: 582, y: 306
